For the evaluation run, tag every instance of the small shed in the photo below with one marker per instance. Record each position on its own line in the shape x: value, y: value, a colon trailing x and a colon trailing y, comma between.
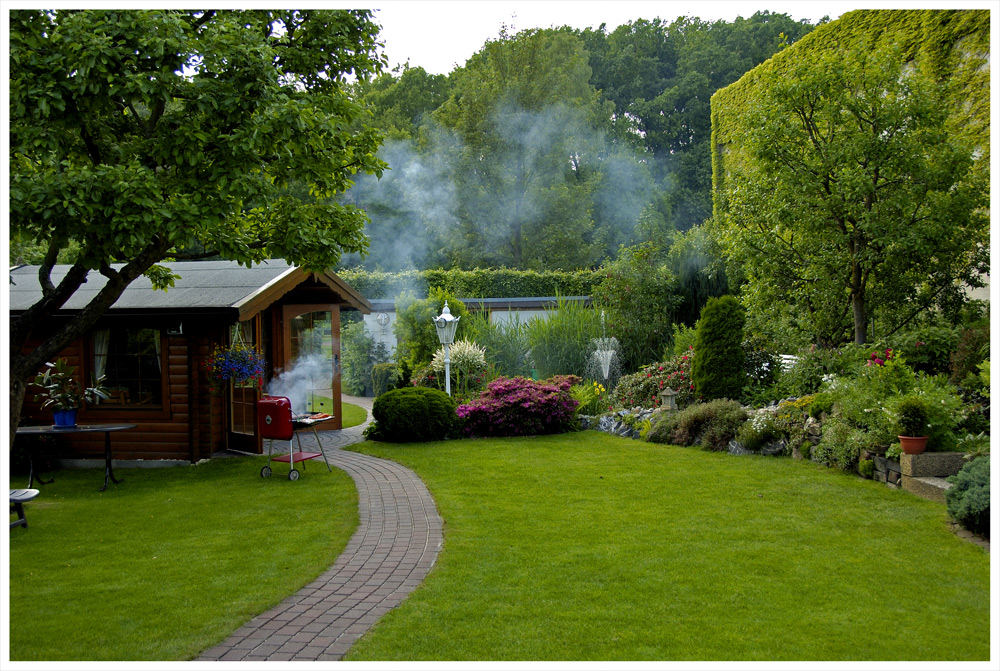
x: 152, y: 347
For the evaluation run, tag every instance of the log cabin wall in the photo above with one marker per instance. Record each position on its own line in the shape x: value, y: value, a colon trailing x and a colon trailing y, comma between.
x: 189, y: 426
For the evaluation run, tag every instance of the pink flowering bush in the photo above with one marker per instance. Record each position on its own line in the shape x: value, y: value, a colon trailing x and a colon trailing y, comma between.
x: 521, y: 407
x: 642, y: 389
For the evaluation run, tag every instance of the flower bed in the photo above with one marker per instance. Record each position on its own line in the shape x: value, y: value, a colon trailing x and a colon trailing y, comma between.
x: 521, y: 407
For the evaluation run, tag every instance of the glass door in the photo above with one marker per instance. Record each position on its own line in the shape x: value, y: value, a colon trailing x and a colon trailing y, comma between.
x: 310, y: 359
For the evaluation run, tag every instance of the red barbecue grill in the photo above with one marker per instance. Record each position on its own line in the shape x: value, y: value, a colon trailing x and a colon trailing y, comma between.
x: 275, y: 421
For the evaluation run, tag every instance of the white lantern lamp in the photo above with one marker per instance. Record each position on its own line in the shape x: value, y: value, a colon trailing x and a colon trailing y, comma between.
x: 446, y: 325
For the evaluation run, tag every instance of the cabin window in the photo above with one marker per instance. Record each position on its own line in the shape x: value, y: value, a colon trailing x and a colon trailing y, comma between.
x: 131, y: 362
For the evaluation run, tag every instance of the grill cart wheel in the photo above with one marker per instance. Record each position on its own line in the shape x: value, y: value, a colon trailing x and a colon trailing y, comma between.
x: 293, y: 474
x: 265, y: 472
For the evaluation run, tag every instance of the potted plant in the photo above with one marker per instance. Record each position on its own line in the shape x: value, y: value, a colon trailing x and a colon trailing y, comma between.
x: 61, y: 392
x: 913, y: 424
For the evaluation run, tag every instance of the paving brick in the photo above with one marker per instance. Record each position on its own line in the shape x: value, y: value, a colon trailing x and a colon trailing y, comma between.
x: 396, y: 544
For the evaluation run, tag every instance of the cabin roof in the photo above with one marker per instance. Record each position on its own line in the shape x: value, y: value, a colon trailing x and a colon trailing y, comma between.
x: 202, y: 285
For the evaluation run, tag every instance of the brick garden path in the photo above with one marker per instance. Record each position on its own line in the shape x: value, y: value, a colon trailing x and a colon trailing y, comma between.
x: 397, y: 541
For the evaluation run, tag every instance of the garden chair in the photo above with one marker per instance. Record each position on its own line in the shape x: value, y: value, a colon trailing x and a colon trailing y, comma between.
x: 18, y: 497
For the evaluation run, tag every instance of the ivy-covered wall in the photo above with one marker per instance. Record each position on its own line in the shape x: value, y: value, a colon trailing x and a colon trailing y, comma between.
x: 480, y: 283
x: 953, y: 45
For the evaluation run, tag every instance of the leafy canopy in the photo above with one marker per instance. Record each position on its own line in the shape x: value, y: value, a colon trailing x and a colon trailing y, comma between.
x: 851, y: 198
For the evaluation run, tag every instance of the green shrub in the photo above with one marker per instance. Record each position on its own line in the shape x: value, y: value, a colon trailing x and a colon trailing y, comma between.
x: 708, y: 425
x: 912, y: 416
x: 467, y: 366
x: 805, y: 449
x: 386, y: 376
x: 416, y: 336
x: 642, y: 388
x: 968, y: 499
x: 762, y: 367
x: 358, y: 354
x: 684, y: 339
x: 759, y: 431
x: 412, y: 414
x: 717, y: 369
x: 638, y: 295
x: 822, y: 404
x: 812, y: 365
x: 841, y: 445
x: 866, y: 468
x: 928, y: 349
x: 561, y: 343
x: 972, y: 349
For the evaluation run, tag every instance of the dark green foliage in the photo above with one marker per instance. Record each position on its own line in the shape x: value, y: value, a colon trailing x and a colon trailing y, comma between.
x: 412, y: 414
x: 866, y: 468
x: 759, y: 432
x: 968, y: 498
x: 385, y: 376
x: 822, y: 404
x: 415, y: 332
x: 478, y: 283
x: 638, y: 296
x: 805, y: 376
x: 972, y: 349
x: 762, y: 368
x: 913, y: 416
x: 928, y: 349
x: 708, y: 425
x: 717, y: 370
x: 840, y: 445
x: 358, y: 354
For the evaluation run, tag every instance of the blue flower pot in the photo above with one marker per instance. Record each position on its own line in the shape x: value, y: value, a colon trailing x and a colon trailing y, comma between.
x: 64, y: 418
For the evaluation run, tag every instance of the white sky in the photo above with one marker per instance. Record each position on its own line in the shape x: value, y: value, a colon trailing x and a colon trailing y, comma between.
x: 439, y: 35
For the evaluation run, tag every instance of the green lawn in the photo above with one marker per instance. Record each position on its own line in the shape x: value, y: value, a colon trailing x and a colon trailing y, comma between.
x: 353, y: 414
x: 171, y: 560
x: 586, y: 546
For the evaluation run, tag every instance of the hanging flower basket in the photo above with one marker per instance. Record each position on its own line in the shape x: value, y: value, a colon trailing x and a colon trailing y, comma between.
x: 237, y: 363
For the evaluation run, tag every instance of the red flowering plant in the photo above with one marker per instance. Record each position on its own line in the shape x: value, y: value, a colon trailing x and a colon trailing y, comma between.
x: 878, y: 358
x: 521, y: 407
x: 239, y: 363
x: 642, y: 389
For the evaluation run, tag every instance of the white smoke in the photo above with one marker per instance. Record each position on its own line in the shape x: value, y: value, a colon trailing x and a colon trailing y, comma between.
x: 310, y: 374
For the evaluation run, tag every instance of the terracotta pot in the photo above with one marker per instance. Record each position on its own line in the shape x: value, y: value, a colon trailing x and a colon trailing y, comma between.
x: 913, y: 444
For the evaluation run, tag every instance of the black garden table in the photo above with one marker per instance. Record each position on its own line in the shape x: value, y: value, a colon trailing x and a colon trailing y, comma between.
x: 107, y: 429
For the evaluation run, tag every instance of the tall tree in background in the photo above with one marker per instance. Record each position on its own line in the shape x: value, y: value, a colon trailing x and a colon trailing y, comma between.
x: 526, y: 116
x: 144, y: 135
x: 661, y: 78
x: 854, y: 198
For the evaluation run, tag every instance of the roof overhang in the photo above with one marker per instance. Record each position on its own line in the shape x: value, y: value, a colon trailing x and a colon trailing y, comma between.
x: 271, y: 292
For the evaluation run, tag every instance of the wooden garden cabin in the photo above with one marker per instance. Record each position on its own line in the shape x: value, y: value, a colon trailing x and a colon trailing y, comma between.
x: 152, y: 346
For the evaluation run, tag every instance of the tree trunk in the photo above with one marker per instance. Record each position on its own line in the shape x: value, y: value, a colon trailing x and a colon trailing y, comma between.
x: 860, y: 317
x: 24, y: 365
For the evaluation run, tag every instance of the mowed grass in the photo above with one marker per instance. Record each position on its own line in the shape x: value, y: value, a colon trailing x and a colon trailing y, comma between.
x: 589, y: 547
x: 353, y: 414
x: 171, y: 560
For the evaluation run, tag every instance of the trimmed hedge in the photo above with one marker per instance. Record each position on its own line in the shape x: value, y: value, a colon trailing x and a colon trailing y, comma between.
x: 479, y: 283
x: 412, y: 414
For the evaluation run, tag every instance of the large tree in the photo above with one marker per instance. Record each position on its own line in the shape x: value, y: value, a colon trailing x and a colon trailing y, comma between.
x: 528, y: 125
x: 139, y: 136
x: 851, y: 196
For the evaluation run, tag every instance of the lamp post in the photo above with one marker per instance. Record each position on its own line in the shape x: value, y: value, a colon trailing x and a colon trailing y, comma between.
x: 446, y: 324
